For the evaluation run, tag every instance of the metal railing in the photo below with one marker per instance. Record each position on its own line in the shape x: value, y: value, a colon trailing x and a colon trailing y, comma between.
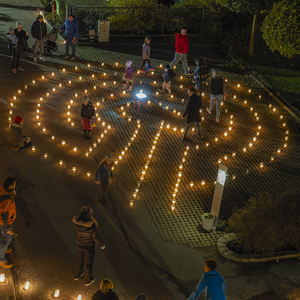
x: 138, y: 20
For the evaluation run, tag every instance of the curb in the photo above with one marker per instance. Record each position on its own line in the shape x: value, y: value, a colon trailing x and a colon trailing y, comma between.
x: 247, y: 258
x: 7, y: 288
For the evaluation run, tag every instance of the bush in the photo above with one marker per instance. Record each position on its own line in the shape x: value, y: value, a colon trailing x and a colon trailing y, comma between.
x: 268, y: 224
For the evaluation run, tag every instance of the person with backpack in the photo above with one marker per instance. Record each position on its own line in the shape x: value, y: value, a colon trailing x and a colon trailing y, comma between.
x: 39, y: 33
x: 212, y: 281
x: 71, y: 28
x: 216, y: 93
x: 193, y: 112
x: 201, y: 74
x: 181, y: 50
x: 146, y: 55
x: 168, y: 75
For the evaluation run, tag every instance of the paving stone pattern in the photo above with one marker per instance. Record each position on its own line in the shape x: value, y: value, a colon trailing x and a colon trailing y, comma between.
x: 180, y: 226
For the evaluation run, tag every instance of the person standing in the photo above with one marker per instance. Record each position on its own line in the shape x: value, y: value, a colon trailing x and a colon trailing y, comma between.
x: 128, y: 76
x: 87, y: 114
x: 105, y: 292
x: 87, y: 237
x: 166, y: 85
x: 7, y: 217
x: 213, y: 281
x: 22, y: 44
x: 105, y: 175
x: 39, y: 33
x: 146, y: 55
x: 201, y: 74
x: 71, y: 28
x: 216, y: 93
x: 181, y: 50
x: 13, y: 48
x: 193, y: 112
x: 17, y: 138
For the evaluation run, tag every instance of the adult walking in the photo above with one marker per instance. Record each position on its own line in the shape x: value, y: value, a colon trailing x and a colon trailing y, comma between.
x: 193, y: 112
x: 87, y: 237
x: 39, y: 33
x: 216, y: 93
x: 7, y: 217
x: 22, y: 43
x: 213, y: 281
x: 18, y: 139
x: 87, y: 114
x: 105, y: 292
x: 71, y: 28
x: 181, y: 50
x: 105, y: 175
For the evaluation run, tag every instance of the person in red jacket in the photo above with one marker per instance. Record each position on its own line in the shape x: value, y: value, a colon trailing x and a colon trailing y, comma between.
x: 181, y: 50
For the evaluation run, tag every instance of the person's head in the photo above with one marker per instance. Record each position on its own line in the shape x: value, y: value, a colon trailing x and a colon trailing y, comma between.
x: 19, y: 26
x: 147, y: 39
x: 183, y: 31
x: 85, y: 214
x: 167, y: 68
x: 210, y: 265
x: 108, y: 158
x: 70, y: 18
x: 85, y: 100
x: 105, y: 286
x: 215, y: 72
x: 191, y: 91
x: 141, y: 297
x: 40, y: 18
x: 11, y: 30
x: 128, y: 63
x: 18, y: 120
x: 9, y: 184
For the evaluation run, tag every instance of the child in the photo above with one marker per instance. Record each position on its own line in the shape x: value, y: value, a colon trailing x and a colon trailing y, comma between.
x: 128, y: 76
x: 167, y: 80
x: 202, y: 74
x: 13, y: 46
x: 146, y: 55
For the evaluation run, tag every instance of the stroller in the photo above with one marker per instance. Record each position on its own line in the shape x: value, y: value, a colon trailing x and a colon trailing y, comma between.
x: 50, y: 44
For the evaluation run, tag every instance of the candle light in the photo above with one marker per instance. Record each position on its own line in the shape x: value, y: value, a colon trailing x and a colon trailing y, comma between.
x: 245, y: 102
x: 38, y: 124
x: 238, y: 85
x: 225, y: 134
x: 219, y: 160
x: 251, y: 108
x: 167, y: 107
x: 74, y: 170
x: 250, y: 144
x: 52, y: 74
x: 11, y: 104
x: 26, y: 86
x: 64, y: 70
x: 33, y: 149
x: 180, y: 167
x: 259, y: 127
x: 234, y: 96
x: 44, y: 129
x: 175, y: 128
x: 26, y: 286
x: 244, y: 149
x: 69, y: 119
x: 111, y: 95
x: 48, y: 94
x: 183, y: 159
x: 287, y: 132
x: 131, y: 203
x: 261, y: 165
x: 197, y: 147
x: 60, y: 162
x: 79, y: 297
x: 53, y: 137
x: 272, y: 158
x: 249, y: 91
x: 10, y: 112
x: 216, y: 139
x: 191, y: 184
x: 89, y: 65
x: 231, y: 116
x: 76, y: 68
x: 202, y: 182
x: 33, y: 82
x: 56, y: 294
x: 68, y: 113
x: 257, y: 133
x: 254, y: 139
x: 172, y: 207
x: 225, y: 157
x: 72, y: 124
x: 284, y: 124
x: 229, y: 128
x: 286, y: 138
x: 233, y: 154
x: 63, y: 142
x: 88, y: 175
x: 233, y: 177
x: 86, y: 154
x: 206, y: 144
x: 75, y: 149
x: 179, y: 174
x: 281, y: 116
x: 76, y: 95
x: 285, y: 145
x: 90, y: 149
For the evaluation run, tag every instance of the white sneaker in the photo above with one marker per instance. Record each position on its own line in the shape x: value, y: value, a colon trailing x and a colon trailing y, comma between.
x: 42, y: 58
x: 35, y: 59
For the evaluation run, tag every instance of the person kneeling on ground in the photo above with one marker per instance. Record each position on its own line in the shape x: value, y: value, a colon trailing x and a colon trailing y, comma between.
x: 104, y: 175
x: 105, y: 292
x: 17, y: 138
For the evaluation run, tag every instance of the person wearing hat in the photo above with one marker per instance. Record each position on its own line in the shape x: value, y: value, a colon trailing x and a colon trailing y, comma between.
x: 105, y: 175
x: 146, y: 55
x: 212, y: 281
x: 18, y: 139
x: 87, y: 237
x: 7, y: 217
x: 87, y: 114
x: 105, y: 292
x: 216, y: 93
x: 193, y: 112
x: 22, y: 44
x: 128, y: 76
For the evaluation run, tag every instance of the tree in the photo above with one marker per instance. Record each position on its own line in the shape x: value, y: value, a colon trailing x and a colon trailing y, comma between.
x: 281, y: 28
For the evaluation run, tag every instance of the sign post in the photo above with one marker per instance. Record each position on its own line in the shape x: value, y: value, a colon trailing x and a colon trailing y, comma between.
x: 216, y: 204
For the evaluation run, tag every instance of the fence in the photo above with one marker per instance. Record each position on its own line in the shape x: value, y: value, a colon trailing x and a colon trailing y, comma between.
x: 139, y: 20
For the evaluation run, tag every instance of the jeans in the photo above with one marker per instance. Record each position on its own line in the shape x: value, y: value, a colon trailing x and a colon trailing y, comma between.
x: 5, y: 240
x: 15, y: 58
x: 84, y: 262
x: 187, y: 127
x: 37, y: 44
x: 72, y: 46
x: 177, y: 58
x: 146, y: 60
x: 218, y: 99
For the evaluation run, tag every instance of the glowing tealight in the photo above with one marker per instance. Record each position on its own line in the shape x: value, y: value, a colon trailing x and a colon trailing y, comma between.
x: 238, y: 85
x: 261, y: 165
x: 206, y: 144
x: 249, y: 91
x: 244, y: 149
x: 225, y: 134
x: 233, y: 154
x: 250, y: 145
x: 52, y: 74
x: 45, y: 155
x: 219, y: 160
x: 233, y: 177
x: 216, y: 139
x: 33, y: 81
x: 54, y: 89
x: 272, y: 158
x: 225, y: 157
x: 285, y: 145
x: 284, y: 124
x: 259, y: 127
x: 44, y: 129
x: 33, y: 149
x: 38, y: 124
x: 10, y: 112
x: 53, y: 137
x: 281, y: 116
x: 86, y: 154
x: 287, y: 132
x: 75, y: 149
x: 245, y: 102
x: 90, y: 149
x: 191, y: 184
x: 202, y: 182
x: 26, y: 286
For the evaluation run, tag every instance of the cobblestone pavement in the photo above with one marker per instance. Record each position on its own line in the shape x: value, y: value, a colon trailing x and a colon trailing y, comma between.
x: 253, y: 141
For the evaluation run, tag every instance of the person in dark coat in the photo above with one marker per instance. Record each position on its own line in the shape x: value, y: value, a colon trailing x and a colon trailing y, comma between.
x: 193, y: 112
x: 87, y: 114
x: 22, y: 44
x: 105, y: 292
x: 87, y: 237
x: 71, y: 28
x: 39, y: 33
x: 13, y: 48
x: 213, y: 281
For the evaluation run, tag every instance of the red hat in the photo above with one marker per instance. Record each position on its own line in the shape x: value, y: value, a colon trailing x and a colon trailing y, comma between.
x: 18, y: 119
